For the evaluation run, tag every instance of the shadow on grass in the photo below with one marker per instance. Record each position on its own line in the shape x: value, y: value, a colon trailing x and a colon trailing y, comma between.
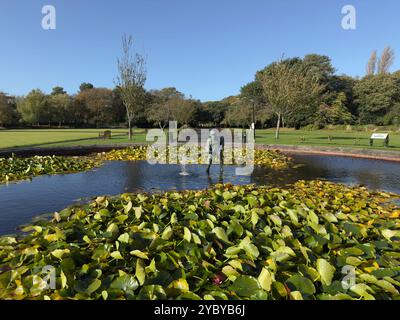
x: 86, y: 131
x: 46, y: 144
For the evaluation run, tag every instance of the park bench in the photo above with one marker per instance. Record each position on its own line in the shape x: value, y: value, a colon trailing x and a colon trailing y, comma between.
x: 379, y: 136
x: 105, y: 135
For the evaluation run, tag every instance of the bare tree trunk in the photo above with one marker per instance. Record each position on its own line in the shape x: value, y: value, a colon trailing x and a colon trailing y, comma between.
x: 278, y: 125
x: 130, y: 129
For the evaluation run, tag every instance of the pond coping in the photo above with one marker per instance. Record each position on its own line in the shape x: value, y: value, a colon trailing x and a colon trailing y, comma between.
x: 321, y: 150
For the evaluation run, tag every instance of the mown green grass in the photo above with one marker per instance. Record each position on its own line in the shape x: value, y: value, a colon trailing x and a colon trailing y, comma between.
x: 352, y: 139
x: 64, y: 137
x: 82, y: 137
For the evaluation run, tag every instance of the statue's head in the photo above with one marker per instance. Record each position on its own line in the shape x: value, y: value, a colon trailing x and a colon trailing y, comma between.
x: 213, y: 132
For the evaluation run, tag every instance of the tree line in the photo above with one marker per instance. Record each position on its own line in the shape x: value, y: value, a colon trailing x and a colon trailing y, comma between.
x: 299, y: 92
x: 292, y: 92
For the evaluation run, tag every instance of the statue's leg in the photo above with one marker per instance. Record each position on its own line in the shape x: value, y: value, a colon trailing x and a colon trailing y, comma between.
x: 209, y: 164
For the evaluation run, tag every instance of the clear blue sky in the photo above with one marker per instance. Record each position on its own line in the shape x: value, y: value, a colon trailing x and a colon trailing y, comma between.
x: 204, y: 48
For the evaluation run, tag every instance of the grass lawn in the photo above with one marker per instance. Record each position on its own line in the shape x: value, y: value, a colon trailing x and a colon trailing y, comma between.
x: 342, y: 138
x: 64, y: 137
x: 71, y: 137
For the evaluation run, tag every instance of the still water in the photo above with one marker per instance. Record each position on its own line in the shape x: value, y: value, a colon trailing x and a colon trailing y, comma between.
x: 20, y: 202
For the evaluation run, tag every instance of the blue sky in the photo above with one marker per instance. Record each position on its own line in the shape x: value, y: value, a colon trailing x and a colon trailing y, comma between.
x: 204, y: 48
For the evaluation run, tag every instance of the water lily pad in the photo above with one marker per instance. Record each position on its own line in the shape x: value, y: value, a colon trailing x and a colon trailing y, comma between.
x: 302, y: 284
x: 125, y: 283
x: 88, y: 286
x: 326, y: 271
x: 245, y: 286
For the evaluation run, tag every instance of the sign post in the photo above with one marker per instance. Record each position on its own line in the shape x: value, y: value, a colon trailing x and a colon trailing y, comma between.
x: 379, y: 136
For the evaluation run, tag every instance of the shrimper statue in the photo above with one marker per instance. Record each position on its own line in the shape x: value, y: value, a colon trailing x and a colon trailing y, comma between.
x: 215, y: 149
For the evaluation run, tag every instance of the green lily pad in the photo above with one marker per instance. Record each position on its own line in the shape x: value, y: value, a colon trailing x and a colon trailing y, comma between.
x: 245, y: 286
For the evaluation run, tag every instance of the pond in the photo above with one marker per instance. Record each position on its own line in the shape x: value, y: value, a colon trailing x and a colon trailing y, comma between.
x: 20, y: 202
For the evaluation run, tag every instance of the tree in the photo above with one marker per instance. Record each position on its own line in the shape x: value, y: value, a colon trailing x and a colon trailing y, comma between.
x: 371, y: 65
x: 252, y: 96
x: 320, y: 66
x: 8, y: 113
x: 167, y: 94
x: 253, y: 91
x: 58, y: 90
x: 287, y: 87
x: 98, y: 102
x: 131, y: 79
x: 386, y: 60
x: 61, y: 104
x: 185, y: 111
x: 85, y: 86
x: 163, y: 105
x: 239, y: 115
x: 213, y: 113
x: 160, y: 113
x: 79, y: 113
x: 34, y: 107
x: 393, y: 116
x: 118, y: 109
x: 375, y: 96
x: 336, y: 113
x: 342, y: 84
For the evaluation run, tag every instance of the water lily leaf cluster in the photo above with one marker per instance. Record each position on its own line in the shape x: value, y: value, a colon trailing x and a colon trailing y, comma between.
x: 15, y: 168
x: 272, y: 158
x: 197, y: 155
x: 136, y: 153
x: 311, y: 240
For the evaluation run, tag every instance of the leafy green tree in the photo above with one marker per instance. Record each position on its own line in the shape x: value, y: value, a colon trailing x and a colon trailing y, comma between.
x: 118, y: 109
x: 289, y: 87
x: 58, y: 90
x: 61, y: 104
x: 8, y: 112
x: 375, y: 96
x: 185, y: 111
x: 393, y: 116
x: 213, y: 113
x: 253, y: 91
x: 79, y: 113
x: 320, y: 66
x: 342, y: 84
x: 336, y: 113
x: 239, y: 115
x: 167, y: 94
x: 85, y: 86
x: 162, y: 105
x: 253, y: 99
x: 34, y: 108
x: 98, y: 103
